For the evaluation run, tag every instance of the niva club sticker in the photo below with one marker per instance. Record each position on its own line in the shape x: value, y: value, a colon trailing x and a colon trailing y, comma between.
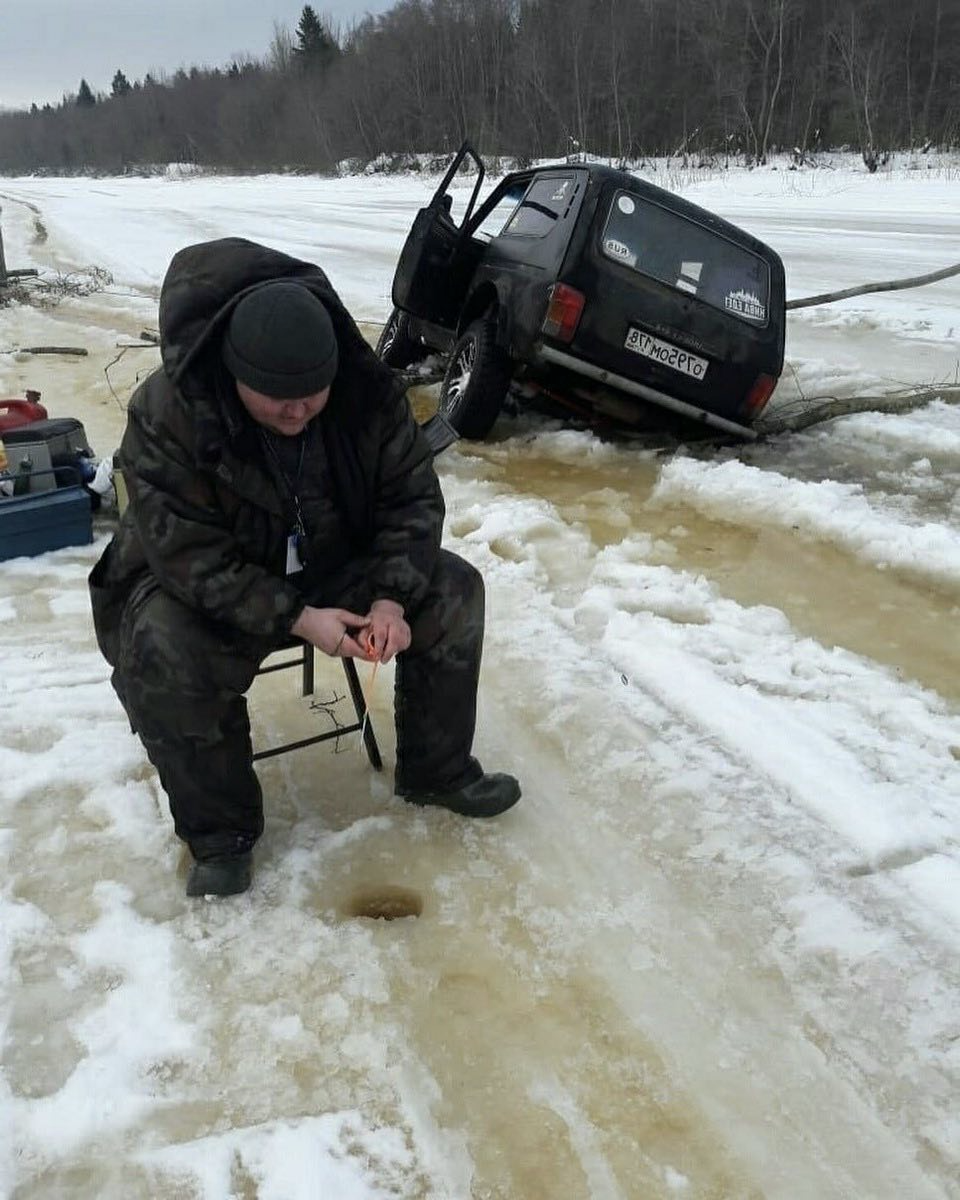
x: 745, y: 304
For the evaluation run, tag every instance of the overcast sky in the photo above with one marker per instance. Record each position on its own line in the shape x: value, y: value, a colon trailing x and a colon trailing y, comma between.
x: 47, y: 46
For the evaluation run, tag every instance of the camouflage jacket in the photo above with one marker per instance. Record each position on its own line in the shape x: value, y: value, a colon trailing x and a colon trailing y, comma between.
x: 205, y: 516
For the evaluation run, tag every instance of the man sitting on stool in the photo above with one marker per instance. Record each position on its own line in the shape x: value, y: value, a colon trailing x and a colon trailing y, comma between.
x: 279, y: 486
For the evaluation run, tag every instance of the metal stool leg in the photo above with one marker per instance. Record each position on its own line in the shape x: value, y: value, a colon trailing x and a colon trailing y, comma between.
x: 356, y: 692
x: 307, y: 685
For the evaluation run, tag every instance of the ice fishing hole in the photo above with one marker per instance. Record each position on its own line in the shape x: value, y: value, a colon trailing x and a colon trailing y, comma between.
x: 385, y: 903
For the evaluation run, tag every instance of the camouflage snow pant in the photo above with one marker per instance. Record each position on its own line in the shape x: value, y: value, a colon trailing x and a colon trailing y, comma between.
x: 182, y: 677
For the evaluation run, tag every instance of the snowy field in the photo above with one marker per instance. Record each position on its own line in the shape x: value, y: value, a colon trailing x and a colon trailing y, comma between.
x: 714, y: 952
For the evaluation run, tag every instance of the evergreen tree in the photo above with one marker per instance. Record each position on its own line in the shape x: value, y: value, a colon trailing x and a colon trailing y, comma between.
x: 120, y: 85
x: 315, y: 47
x: 85, y: 98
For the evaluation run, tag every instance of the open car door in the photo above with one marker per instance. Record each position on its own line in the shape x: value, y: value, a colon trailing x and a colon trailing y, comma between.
x: 429, y: 281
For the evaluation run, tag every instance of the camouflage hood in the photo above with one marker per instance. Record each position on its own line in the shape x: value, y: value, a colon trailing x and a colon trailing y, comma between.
x: 203, y: 285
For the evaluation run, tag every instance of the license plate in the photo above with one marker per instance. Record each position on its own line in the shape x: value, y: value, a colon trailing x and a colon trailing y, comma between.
x: 666, y: 354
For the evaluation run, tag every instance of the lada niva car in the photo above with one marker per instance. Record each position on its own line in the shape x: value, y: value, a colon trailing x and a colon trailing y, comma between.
x: 586, y: 283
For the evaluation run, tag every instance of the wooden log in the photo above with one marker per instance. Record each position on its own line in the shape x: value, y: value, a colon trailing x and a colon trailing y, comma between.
x: 818, y: 409
x: 77, y: 350
x: 891, y: 285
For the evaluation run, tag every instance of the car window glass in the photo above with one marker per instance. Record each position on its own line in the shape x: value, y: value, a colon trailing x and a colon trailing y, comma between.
x: 455, y: 201
x: 679, y: 252
x: 495, y: 220
x: 547, y: 199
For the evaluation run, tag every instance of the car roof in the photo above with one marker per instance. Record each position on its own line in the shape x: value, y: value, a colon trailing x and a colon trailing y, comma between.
x: 597, y: 171
x: 602, y: 174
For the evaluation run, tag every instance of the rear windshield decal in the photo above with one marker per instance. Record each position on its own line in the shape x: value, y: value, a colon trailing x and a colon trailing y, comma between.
x: 625, y: 204
x: 619, y: 250
x: 745, y: 304
x: 689, y: 277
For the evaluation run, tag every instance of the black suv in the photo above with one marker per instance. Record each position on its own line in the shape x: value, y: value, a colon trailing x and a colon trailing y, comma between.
x: 604, y: 292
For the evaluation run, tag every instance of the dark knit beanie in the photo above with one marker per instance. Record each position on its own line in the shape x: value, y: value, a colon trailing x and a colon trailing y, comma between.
x: 280, y: 342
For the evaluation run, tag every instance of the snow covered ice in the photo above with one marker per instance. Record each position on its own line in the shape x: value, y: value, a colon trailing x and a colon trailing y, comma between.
x: 712, y: 953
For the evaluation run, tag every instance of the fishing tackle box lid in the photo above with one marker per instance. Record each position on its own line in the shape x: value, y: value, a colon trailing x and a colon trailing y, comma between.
x: 65, y: 437
x: 36, y: 522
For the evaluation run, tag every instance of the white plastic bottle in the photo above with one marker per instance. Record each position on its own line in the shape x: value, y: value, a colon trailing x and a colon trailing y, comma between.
x: 6, y: 482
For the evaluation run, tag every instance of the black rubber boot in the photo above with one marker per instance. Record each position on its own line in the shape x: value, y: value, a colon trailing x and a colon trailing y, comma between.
x: 487, y: 796
x: 220, y: 876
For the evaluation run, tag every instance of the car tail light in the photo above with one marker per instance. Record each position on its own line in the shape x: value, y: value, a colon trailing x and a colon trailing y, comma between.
x: 758, y: 395
x: 563, y: 312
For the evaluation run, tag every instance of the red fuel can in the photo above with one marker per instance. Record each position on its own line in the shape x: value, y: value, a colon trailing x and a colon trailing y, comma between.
x: 16, y: 412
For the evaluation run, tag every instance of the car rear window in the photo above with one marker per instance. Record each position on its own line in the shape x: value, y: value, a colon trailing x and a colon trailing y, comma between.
x: 687, y: 256
x: 546, y: 200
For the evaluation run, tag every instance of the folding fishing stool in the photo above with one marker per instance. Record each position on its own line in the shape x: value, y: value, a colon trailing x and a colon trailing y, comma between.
x: 305, y: 661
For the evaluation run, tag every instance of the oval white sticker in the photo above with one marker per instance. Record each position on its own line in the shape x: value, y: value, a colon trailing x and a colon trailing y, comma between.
x: 626, y: 205
x: 617, y: 249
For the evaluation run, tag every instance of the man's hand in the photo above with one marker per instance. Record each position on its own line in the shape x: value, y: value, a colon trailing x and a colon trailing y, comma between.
x: 335, y: 631
x: 387, y: 633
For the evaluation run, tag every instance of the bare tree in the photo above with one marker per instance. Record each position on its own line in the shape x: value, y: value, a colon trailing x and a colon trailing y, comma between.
x: 861, y: 47
x: 280, y: 55
x: 767, y: 22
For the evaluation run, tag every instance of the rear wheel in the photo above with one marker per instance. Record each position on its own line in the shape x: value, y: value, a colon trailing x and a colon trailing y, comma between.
x: 396, y: 347
x: 476, y: 381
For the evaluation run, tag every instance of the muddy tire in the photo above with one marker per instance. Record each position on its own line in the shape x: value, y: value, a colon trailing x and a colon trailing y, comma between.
x: 476, y: 382
x: 395, y: 346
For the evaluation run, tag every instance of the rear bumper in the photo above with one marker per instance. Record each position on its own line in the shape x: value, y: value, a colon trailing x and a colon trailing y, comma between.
x: 558, y: 358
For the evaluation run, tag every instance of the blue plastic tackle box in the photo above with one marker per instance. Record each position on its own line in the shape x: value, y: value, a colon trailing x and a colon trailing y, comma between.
x: 40, y: 521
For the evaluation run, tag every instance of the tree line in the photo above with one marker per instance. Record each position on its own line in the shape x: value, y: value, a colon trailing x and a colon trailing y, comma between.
x: 529, y: 79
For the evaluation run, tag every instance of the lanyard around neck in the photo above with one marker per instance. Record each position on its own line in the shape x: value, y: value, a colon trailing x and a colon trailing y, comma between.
x: 291, y: 485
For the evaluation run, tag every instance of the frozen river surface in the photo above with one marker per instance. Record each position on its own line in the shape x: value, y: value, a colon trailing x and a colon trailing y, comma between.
x: 712, y: 953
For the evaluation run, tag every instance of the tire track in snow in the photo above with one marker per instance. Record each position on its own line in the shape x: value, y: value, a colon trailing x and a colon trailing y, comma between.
x: 557, y: 701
